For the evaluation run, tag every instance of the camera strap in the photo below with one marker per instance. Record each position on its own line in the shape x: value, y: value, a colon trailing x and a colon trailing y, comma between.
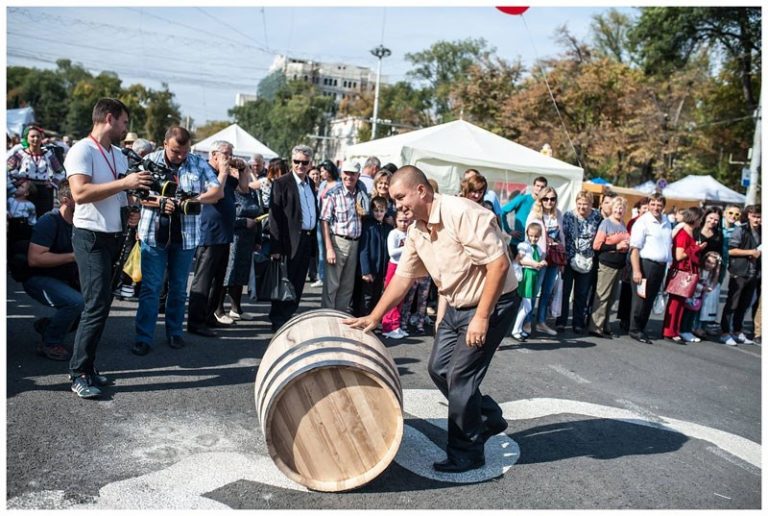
x: 113, y: 166
x: 163, y: 226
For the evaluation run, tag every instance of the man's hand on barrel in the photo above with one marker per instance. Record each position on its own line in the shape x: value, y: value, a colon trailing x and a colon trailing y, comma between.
x: 476, y: 331
x: 367, y: 323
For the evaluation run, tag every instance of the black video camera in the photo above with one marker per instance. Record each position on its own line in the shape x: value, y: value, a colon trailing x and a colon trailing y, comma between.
x: 163, y: 183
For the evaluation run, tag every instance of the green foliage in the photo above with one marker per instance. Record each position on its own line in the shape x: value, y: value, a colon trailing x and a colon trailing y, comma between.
x: 270, y: 85
x: 295, y: 113
x: 610, y: 36
x: 204, y: 131
x: 445, y: 64
x: 63, y: 99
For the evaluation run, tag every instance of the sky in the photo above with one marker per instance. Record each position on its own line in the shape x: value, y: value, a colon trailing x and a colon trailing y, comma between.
x: 207, y: 55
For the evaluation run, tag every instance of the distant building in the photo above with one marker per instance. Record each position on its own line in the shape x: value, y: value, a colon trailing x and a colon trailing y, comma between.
x: 242, y: 98
x: 341, y: 133
x: 337, y: 80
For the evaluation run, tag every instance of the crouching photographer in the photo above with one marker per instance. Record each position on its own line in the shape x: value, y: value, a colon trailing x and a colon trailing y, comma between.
x: 169, y: 232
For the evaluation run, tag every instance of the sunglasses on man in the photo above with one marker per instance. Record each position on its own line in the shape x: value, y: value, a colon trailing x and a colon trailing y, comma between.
x: 304, y: 162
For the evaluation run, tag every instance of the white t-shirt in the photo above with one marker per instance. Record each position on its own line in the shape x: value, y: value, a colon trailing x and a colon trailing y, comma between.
x: 395, y: 245
x: 85, y: 158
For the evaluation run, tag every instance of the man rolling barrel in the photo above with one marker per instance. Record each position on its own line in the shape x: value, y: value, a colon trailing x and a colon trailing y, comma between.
x: 459, y: 244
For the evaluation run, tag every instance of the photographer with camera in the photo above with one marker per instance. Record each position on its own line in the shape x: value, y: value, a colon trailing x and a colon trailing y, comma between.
x: 95, y: 168
x: 218, y: 230
x: 169, y: 231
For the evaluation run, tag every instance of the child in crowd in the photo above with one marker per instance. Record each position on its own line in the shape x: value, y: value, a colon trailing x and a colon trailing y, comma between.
x: 372, y: 257
x: 529, y: 256
x: 416, y: 318
x: 390, y: 324
x: 21, y: 212
x: 701, y: 303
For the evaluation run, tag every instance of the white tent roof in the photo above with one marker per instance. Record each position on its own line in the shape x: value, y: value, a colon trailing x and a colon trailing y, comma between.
x: 444, y: 151
x: 16, y: 119
x: 704, y: 188
x: 648, y: 187
x: 245, y: 145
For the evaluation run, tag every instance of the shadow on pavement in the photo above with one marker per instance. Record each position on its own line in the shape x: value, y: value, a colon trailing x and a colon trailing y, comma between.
x: 602, y: 439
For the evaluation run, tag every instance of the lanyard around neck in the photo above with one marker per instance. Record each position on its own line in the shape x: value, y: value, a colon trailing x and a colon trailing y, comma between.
x: 113, y: 166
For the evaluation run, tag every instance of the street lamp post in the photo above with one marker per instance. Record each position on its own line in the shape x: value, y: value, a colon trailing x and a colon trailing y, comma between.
x: 380, y: 52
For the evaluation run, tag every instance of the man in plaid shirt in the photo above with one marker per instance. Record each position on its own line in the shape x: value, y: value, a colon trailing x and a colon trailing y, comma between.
x: 170, y: 242
x: 341, y: 217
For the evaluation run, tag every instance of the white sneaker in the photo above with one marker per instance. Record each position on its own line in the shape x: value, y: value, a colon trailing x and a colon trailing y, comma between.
x: 223, y: 319
x: 245, y: 316
x: 317, y: 284
x: 405, y: 333
x: 543, y: 328
x: 396, y: 334
x: 689, y: 337
x: 728, y: 340
x: 742, y: 339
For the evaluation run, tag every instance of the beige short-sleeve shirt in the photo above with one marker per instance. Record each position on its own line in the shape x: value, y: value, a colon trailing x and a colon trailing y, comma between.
x: 453, y: 247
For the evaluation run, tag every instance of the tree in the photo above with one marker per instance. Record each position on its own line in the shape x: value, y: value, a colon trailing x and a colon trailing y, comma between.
x: 667, y: 37
x: 296, y: 111
x: 610, y: 36
x: 402, y: 104
x: 40, y: 89
x: 209, y: 128
x: 445, y: 64
x: 488, y: 86
x: 84, y: 96
x: 161, y: 113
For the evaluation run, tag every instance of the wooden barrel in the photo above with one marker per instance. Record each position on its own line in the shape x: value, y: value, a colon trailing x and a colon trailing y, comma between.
x: 330, y: 402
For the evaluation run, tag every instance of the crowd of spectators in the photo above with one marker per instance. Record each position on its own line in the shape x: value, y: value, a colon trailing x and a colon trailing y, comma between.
x: 74, y: 214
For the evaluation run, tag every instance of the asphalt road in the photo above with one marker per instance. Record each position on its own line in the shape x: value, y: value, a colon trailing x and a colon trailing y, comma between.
x: 593, y: 424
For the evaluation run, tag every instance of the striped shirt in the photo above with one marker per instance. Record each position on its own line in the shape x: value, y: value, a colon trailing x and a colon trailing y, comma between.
x: 194, y: 176
x: 339, y: 211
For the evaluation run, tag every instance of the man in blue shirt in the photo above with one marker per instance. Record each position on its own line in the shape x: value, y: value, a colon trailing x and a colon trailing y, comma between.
x: 168, y: 242
x: 521, y: 205
x: 217, y: 224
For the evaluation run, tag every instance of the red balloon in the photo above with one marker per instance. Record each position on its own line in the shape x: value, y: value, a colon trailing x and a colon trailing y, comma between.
x: 514, y: 11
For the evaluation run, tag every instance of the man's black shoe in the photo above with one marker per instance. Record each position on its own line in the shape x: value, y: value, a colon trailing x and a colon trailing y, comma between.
x: 640, y: 337
x: 492, y: 428
x: 176, y: 342
x: 202, y: 331
x: 141, y: 349
x: 458, y: 465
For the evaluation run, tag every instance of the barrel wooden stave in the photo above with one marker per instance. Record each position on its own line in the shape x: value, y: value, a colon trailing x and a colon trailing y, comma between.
x: 330, y: 407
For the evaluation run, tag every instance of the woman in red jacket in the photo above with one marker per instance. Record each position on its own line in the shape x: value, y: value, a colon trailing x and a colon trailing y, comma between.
x: 685, y: 257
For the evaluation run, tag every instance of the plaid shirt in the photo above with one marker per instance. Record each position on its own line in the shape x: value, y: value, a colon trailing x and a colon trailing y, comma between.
x: 339, y: 211
x: 195, y: 176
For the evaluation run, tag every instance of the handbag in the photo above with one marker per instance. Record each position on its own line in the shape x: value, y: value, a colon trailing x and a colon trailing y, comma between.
x: 132, y: 265
x: 275, y: 285
x: 581, y: 264
x: 659, y: 304
x: 682, y: 283
x: 556, y: 254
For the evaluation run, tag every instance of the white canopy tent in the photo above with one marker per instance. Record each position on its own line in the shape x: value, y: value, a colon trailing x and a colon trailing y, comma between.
x: 16, y: 119
x: 245, y: 145
x: 445, y: 151
x: 705, y: 188
x: 648, y: 187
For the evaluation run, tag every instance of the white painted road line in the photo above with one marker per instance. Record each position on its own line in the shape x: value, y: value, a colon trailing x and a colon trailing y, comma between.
x: 568, y: 374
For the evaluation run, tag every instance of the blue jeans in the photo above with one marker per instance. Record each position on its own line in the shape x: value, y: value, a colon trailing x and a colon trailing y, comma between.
x: 547, y: 282
x: 154, y: 261
x: 582, y: 285
x: 67, y: 301
x: 95, y: 254
x: 320, y: 254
